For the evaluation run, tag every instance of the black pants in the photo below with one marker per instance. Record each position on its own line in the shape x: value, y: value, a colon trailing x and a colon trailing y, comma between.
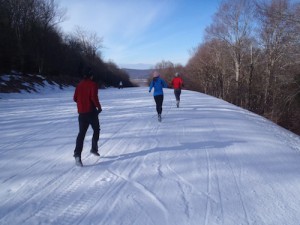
x: 159, y: 101
x: 177, y: 93
x: 86, y: 119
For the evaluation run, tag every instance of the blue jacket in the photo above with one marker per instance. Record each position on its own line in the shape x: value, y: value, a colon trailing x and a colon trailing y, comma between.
x: 158, y: 84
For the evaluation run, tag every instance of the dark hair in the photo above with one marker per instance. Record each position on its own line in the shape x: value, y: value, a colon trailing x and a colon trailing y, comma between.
x: 88, y: 73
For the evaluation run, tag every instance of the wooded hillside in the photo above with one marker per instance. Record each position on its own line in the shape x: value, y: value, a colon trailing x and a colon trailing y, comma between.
x: 250, y: 57
x: 31, y: 43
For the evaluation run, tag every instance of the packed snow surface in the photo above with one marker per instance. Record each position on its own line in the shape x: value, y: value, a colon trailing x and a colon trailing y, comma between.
x: 208, y: 162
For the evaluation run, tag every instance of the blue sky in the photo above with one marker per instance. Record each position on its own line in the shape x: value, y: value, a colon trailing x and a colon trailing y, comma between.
x: 141, y: 33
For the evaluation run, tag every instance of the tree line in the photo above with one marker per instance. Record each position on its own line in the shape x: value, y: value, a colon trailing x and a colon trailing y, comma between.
x: 250, y: 57
x: 31, y: 42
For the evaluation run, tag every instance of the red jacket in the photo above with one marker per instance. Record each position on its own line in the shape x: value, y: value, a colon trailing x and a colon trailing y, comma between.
x: 86, y: 96
x: 177, y: 83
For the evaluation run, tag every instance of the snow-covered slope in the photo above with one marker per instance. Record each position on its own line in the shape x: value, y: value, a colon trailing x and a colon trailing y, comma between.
x: 208, y: 162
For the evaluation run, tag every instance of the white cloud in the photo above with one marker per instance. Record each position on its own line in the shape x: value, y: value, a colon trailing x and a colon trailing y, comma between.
x: 122, y: 24
x: 136, y: 31
x: 113, y: 19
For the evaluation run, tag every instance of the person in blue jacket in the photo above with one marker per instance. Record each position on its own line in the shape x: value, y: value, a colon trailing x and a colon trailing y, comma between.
x: 158, y: 84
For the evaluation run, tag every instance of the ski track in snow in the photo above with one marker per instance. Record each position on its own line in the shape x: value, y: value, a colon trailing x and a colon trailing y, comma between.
x: 208, y: 162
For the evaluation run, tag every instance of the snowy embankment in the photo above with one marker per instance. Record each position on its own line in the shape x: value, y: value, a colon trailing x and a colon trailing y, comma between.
x: 207, y: 162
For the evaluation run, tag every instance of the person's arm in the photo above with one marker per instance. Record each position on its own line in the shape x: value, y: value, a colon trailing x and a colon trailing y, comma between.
x: 164, y: 84
x: 172, y: 83
x: 151, y: 86
x: 75, y: 95
x: 95, y: 98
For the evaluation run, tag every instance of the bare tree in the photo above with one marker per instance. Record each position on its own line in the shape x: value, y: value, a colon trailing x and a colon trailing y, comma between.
x: 166, y: 69
x: 30, y: 22
x: 232, y: 25
x: 89, y: 41
x: 280, y: 46
x: 50, y: 14
x: 258, y: 70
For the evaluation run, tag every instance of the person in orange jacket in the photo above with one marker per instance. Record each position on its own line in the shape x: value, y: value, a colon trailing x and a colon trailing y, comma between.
x: 88, y: 107
x: 177, y: 84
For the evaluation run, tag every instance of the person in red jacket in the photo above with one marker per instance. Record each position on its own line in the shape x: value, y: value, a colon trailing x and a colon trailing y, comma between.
x: 88, y: 106
x: 177, y: 84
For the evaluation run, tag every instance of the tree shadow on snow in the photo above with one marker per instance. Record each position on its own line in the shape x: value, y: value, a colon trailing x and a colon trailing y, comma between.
x: 188, y: 147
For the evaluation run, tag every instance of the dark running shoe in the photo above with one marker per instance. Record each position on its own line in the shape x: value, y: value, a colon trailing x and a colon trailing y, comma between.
x: 78, y: 161
x: 159, y: 117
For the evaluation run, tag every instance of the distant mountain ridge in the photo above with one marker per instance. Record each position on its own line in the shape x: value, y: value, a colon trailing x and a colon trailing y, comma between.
x: 138, y: 74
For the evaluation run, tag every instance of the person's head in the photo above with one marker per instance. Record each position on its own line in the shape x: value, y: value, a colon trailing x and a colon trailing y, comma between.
x: 88, y: 74
x: 155, y: 74
x: 177, y: 74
